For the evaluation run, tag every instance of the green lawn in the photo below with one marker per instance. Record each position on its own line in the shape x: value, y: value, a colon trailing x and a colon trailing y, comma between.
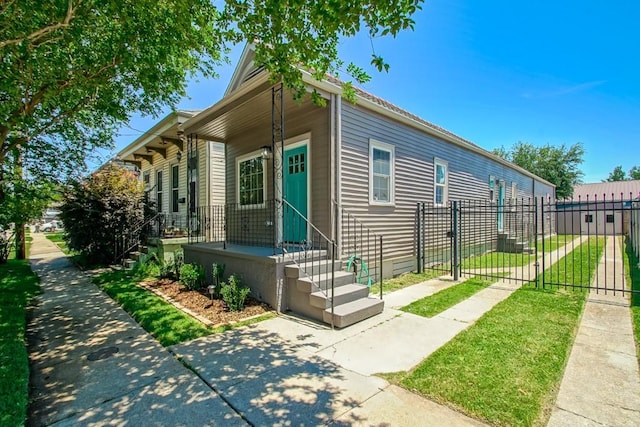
x: 403, y: 281
x: 498, y: 260
x: 554, y: 242
x: 507, y: 367
x: 446, y: 298
x: 18, y: 285
x: 162, y: 320
x: 58, y: 239
x: 633, y: 279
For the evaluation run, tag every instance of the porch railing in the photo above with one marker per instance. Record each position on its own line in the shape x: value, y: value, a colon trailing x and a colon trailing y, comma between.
x: 133, y: 237
x: 360, y: 246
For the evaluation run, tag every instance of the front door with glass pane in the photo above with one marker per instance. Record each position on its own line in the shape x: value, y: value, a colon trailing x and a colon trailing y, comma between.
x: 295, y: 171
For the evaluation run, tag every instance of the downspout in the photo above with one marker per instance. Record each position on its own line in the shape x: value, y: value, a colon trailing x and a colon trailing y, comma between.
x: 332, y: 156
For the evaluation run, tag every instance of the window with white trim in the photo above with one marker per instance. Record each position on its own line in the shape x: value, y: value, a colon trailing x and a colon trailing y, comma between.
x: 159, y: 191
x: 381, y: 173
x: 440, y: 181
x: 175, y: 180
x: 514, y: 193
x: 251, y: 179
x: 492, y: 188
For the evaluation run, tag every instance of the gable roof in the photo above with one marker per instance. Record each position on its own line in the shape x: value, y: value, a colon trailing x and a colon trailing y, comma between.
x: 247, y: 75
x: 608, y: 190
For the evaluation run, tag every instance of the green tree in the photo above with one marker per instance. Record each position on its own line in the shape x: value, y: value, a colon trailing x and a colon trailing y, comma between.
x: 24, y: 199
x: 560, y: 165
x: 616, y: 175
x: 71, y: 71
x: 634, y: 173
x: 99, y: 209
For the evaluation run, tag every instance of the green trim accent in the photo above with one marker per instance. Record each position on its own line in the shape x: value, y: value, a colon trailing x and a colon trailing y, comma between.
x: 353, y: 259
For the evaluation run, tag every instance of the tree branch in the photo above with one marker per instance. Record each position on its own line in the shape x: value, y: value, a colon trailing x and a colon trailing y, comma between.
x: 42, y: 32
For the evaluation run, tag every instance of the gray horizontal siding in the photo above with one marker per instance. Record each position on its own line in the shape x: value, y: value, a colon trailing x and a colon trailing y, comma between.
x: 414, y: 170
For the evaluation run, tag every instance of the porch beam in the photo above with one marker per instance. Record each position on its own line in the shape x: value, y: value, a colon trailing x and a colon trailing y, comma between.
x: 146, y: 157
x: 161, y: 151
x: 175, y: 141
x: 134, y: 162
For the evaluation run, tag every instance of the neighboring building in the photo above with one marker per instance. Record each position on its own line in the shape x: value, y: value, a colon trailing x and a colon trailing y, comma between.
x: 179, y: 175
x: 598, y: 208
x: 366, y: 164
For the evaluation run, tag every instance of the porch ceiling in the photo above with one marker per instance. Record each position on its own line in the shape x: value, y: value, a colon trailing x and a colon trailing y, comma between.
x: 252, y: 110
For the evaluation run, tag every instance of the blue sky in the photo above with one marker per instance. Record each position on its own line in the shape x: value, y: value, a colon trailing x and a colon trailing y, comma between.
x: 497, y: 72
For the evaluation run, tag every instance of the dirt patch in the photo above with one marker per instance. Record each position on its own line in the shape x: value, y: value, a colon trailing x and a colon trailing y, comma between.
x: 216, y: 311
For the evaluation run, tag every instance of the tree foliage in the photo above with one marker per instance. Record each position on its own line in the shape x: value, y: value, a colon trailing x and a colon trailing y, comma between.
x: 560, y: 165
x: 617, y: 174
x: 72, y: 71
x: 98, y: 210
x: 22, y: 200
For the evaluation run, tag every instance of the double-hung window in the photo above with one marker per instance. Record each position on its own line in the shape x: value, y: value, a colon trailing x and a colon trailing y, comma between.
x: 514, y: 194
x: 159, y: 191
x: 381, y: 173
x: 175, y: 194
x: 251, y: 180
x: 440, y: 182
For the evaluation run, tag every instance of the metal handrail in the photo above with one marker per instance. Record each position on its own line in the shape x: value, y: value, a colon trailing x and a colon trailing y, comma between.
x: 365, y: 243
x: 126, y: 238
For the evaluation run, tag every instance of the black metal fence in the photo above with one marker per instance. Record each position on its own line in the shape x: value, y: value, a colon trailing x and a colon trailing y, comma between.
x: 557, y: 243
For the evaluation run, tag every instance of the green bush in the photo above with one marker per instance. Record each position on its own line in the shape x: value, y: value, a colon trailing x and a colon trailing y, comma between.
x: 234, y: 294
x: 177, y: 263
x: 99, y: 210
x: 191, y: 276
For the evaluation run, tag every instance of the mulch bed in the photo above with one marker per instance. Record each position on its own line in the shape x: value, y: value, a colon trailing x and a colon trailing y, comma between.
x: 200, y: 302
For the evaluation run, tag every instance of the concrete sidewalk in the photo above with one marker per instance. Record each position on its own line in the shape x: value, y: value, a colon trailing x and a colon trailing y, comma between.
x: 91, y: 364
x: 601, y: 384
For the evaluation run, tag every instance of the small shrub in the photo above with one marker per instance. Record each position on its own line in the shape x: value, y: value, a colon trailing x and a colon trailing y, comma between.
x: 178, y: 262
x: 217, y: 271
x: 234, y: 294
x: 191, y: 276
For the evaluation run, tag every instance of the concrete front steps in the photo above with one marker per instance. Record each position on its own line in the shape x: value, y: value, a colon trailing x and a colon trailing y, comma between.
x: 309, y: 293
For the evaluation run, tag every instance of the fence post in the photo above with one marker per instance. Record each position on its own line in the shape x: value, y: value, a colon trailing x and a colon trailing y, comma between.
x: 543, y: 239
x: 535, y: 236
x: 454, y: 240
x: 419, y: 240
x: 333, y: 269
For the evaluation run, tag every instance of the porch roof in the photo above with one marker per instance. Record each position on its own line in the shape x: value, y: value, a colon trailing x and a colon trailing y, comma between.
x: 156, y: 140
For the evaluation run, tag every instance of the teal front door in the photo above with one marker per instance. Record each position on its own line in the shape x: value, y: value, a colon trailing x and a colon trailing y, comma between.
x: 295, y: 170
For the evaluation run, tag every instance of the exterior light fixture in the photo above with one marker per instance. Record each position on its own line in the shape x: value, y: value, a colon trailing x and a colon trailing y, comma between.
x: 179, y: 156
x: 266, y: 152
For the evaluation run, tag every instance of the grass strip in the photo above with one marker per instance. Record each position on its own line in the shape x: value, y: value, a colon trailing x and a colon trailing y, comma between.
x: 498, y: 260
x: 507, y: 367
x: 58, y: 239
x: 631, y: 263
x: 446, y: 298
x: 403, y: 281
x: 18, y: 285
x: 162, y: 320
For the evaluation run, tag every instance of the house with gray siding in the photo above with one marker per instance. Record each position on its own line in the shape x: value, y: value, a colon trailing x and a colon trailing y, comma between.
x: 308, y: 175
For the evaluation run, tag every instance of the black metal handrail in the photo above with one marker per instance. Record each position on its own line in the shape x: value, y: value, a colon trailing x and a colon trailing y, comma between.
x: 361, y: 246
x: 311, y: 250
x: 127, y: 241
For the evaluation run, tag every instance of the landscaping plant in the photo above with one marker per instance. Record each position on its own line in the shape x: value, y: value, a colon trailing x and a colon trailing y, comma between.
x: 217, y: 271
x: 234, y: 293
x: 191, y: 276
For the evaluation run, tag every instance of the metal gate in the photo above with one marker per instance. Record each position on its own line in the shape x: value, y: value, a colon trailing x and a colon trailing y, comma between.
x: 581, y: 243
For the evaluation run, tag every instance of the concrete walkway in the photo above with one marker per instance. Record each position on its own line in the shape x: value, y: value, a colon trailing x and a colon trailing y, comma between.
x: 601, y: 384
x: 283, y: 371
x: 91, y: 364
